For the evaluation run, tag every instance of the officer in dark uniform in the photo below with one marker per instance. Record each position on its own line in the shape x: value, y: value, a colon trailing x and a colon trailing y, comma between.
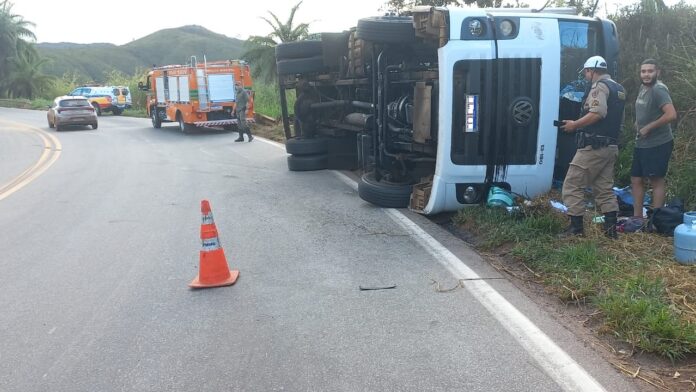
x: 597, y: 132
x: 240, y: 109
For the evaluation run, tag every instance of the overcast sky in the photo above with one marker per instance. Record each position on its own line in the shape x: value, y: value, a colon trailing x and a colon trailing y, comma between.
x: 122, y: 21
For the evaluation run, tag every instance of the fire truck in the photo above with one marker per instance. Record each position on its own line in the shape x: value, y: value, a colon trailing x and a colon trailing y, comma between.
x: 441, y: 107
x: 198, y: 94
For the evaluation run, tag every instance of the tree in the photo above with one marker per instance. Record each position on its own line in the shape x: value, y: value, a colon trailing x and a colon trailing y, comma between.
x: 26, y: 79
x: 261, y: 49
x: 18, y: 57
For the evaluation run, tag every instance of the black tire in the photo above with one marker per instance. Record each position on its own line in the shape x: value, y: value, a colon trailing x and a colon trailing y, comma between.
x: 116, y: 111
x: 300, y: 146
x: 97, y: 108
x: 307, y: 162
x: 95, y: 126
x: 58, y: 127
x: 183, y: 127
x: 156, y: 120
x: 301, y: 66
x: 384, y: 194
x: 386, y: 29
x: 298, y: 50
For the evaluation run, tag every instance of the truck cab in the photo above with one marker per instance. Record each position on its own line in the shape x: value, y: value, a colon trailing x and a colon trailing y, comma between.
x: 438, y: 107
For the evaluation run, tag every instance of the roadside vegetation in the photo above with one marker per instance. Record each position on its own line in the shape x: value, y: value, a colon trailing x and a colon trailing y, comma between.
x: 642, y: 296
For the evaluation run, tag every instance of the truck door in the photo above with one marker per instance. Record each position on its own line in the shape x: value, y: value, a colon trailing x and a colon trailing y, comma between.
x: 498, y: 99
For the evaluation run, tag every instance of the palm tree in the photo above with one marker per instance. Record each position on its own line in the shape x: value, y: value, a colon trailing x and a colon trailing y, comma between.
x: 14, y: 37
x: 26, y: 78
x: 261, y: 49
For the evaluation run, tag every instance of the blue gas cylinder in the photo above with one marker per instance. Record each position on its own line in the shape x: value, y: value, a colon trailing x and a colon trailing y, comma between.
x: 685, y: 240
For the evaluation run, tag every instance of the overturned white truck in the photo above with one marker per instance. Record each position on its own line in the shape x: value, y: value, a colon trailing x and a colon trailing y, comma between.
x: 437, y: 107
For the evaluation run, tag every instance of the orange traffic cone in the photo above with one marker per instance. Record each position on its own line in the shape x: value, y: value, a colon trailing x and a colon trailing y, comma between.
x: 213, y: 271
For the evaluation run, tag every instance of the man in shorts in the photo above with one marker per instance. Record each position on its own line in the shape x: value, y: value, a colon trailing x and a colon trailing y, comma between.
x: 654, y: 140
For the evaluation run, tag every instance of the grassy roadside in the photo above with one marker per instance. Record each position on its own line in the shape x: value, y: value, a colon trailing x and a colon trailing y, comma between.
x: 642, y: 296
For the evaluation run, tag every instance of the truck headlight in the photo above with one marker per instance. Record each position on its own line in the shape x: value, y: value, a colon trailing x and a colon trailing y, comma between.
x: 507, y: 27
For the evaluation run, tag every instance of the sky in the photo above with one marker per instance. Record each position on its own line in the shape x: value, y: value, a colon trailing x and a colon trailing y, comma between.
x: 122, y: 21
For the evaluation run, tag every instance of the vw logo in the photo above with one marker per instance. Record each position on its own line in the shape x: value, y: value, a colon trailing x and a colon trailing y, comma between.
x: 522, y: 111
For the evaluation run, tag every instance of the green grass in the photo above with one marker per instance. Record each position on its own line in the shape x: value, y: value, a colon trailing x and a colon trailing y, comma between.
x: 636, y: 307
x: 267, y: 100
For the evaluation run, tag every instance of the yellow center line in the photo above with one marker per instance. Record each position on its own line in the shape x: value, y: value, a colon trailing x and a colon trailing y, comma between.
x: 50, y: 154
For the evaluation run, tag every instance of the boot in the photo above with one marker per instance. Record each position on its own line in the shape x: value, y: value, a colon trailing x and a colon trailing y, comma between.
x: 575, y: 227
x: 240, y: 138
x: 610, y: 225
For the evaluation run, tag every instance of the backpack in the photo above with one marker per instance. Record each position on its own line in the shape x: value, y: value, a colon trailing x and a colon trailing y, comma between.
x: 665, y: 219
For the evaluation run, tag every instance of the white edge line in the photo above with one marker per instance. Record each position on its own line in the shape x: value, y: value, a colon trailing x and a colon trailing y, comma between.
x: 557, y: 364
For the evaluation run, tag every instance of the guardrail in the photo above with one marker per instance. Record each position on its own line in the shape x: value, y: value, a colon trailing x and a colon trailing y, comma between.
x: 15, y: 103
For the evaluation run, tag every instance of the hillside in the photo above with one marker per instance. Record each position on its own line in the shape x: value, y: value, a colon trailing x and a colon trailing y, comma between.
x: 169, y: 46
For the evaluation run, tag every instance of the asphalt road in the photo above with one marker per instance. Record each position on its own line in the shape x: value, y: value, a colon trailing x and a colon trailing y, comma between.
x: 97, y: 251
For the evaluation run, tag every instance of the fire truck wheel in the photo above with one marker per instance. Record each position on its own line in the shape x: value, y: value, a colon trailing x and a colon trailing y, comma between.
x: 183, y: 127
x: 307, y: 162
x: 156, y: 120
x: 300, y: 146
x: 298, y: 50
x: 386, y: 29
x: 97, y: 108
x: 299, y: 66
x: 383, y: 193
x: 116, y: 111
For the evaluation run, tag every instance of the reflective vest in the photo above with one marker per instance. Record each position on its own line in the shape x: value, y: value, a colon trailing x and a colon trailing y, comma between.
x: 609, y: 126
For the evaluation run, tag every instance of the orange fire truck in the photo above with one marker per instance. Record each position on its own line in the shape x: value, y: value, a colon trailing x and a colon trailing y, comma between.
x: 197, y: 94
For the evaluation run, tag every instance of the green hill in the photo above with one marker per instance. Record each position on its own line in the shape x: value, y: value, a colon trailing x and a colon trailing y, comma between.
x: 169, y: 46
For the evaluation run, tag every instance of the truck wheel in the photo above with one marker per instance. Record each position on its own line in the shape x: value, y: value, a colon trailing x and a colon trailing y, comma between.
x: 307, y: 162
x: 97, y: 108
x: 156, y: 120
x: 116, y: 111
x: 298, y: 50
x: 386, y: 29
x: 383, y: 193
x: 300, y: 146
x: 183, y: 127
x: 300, y: 66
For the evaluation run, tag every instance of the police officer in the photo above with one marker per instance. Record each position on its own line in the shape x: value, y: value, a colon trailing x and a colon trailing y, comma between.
x: 597, y: 131
x: 240, y: 110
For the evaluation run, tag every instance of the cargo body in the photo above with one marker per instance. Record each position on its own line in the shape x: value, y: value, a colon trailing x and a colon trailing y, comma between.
x: 197, y: 95
x: 437, y: 108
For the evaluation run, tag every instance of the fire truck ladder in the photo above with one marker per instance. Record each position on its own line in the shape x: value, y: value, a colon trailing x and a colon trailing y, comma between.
x: 202, y: 81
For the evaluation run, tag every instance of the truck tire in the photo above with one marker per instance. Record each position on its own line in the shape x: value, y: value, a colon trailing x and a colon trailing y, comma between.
x: 300, y: 66
x: 156, y: 120
x: 301, y: 146
x: 116, y: 111
x: 298, y: 50
x: 386, y: 29
x: 307, y: 162
x: 183, y: 127
x: 383, y: 193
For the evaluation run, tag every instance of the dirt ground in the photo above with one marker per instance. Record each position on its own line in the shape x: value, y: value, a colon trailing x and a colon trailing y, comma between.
x: 653, y: 373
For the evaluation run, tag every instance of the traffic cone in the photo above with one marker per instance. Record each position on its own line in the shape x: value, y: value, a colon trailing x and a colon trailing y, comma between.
x: 213, y: 271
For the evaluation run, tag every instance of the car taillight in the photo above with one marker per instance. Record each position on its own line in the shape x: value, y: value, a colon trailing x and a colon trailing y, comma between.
x: 91, y: 109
